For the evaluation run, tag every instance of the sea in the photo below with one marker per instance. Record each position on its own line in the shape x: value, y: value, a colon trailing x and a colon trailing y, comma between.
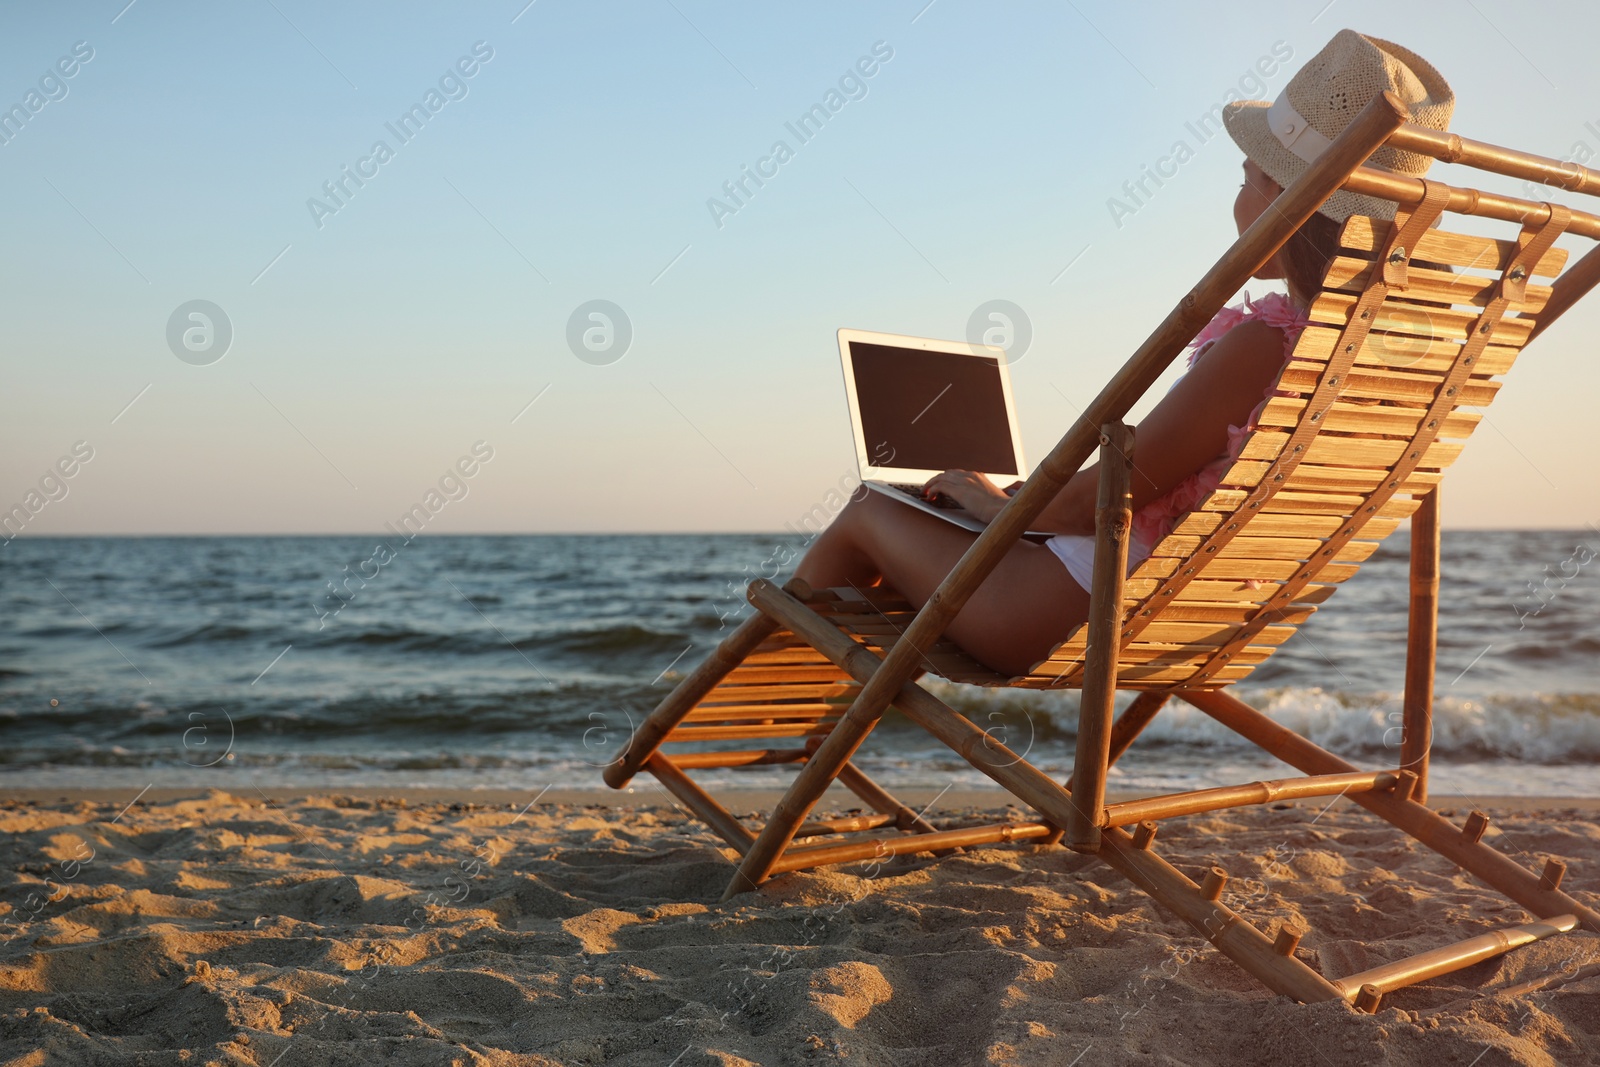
x: 522, y: 662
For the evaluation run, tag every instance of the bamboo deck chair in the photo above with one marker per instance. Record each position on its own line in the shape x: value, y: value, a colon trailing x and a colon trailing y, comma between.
x: 1394, y: 356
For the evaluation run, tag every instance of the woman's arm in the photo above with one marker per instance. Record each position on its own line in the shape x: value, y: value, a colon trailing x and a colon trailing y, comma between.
x: 1187, y: 429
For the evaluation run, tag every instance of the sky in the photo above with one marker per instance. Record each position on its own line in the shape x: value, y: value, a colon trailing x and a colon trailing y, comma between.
x: 360, y: 345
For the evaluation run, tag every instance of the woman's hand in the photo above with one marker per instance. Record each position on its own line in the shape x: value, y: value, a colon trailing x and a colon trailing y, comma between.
x: 982, y: 499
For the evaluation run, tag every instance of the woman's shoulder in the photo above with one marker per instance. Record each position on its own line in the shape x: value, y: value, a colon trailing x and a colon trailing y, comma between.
x: 1274, y: 321
x: 1253, y: 343
x: 1276, y: 309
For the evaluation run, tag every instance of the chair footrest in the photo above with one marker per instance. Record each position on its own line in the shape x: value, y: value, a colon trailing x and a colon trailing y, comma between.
x: 750, y: 757
x: 794, y: 859
x: 1238, y: 796
x: 848, y: 825
x: 1372, y: 983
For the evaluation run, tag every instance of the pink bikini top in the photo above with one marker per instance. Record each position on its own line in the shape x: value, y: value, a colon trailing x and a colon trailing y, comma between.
x: 1156, y: 519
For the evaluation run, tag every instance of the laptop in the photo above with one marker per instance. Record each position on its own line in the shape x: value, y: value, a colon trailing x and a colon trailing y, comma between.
x: 920, y: 407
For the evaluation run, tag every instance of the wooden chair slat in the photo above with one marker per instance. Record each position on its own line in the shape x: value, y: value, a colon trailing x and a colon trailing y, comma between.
x: 1457, y: 249
x: 1247, y: 547
x: 1138, y: 674
x: 695, y: 734
x: 1344, y: 417
x: 1337, y: 451
x: 1316, y: 478
x: 1190, y: 633
x: 794, y: 656
x: 1245, y: 570
x: 1397, y: 317
x: 799, y: 690
x: 1292, y: 503
x: 1189, y: 609
x: 1226, y: 591
x: 1404, y: 386
x: 746, y: 673
x: 1426, y: 286
x: 1430, y: 354
x: 1278, y: 524
x: 789, y: 646
x: 1157, y: 655
x: 771, y: 713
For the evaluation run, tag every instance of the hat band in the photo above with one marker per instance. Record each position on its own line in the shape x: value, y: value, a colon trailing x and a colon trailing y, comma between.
x: 1293, y: 131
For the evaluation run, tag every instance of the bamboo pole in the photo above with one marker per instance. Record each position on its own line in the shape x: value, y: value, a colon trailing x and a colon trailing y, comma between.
x: 1218, y: 924
x: 848, y: 825
x: 1239, y: 796
x: 1097, y: 702
x: 1131, y: 723
x: 700, y: 802
x: 1453, y: 148
x: 1422, y: 643
x: 795, y: 859
x: 678, y: 703
x: 687, y: 734
x: 1407, y: 192
x: 1493, y: 868
x: 1254, y: 247
x: 1573, y: 285
x: 880, y: 799
x: 1419, y: 968
x: 750, y: 757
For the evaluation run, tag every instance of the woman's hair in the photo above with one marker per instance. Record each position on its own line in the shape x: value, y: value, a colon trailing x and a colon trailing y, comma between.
x: 1306, y: 255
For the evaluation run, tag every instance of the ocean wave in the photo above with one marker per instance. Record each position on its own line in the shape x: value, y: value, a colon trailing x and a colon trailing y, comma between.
x: 1533, y: 728
x: 579, y: 641
x: 612, y: 639
x: 207, y: 634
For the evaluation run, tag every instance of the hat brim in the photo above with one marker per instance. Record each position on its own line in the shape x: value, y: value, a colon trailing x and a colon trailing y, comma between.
x: 1246, y: 123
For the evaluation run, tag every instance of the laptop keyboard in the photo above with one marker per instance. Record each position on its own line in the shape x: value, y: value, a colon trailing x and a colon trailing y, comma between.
x: 914, y: 491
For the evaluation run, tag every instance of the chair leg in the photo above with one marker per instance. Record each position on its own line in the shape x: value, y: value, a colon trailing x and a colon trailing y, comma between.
x: 881, y: 800
x: 1422, y: 642
x: 830, y: 757
x: 714, y: 815
x: 678, y: 703
x: 1113, y: 520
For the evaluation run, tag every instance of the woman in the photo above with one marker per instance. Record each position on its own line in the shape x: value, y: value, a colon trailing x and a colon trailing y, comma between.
x: 1038, y: 593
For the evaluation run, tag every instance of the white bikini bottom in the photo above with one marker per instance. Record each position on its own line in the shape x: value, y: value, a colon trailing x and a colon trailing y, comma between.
x: 1077, y: 552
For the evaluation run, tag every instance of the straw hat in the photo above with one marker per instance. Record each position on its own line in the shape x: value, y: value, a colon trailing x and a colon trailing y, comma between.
x: 1320, y: 100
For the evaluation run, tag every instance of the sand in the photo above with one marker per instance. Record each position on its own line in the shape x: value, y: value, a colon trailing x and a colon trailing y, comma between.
x: 353, y: 929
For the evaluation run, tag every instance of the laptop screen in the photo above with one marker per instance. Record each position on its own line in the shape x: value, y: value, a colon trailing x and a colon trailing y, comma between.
x: 936, y: 410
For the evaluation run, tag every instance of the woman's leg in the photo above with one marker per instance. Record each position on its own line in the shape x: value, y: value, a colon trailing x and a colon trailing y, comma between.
x: 1025, y: 607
